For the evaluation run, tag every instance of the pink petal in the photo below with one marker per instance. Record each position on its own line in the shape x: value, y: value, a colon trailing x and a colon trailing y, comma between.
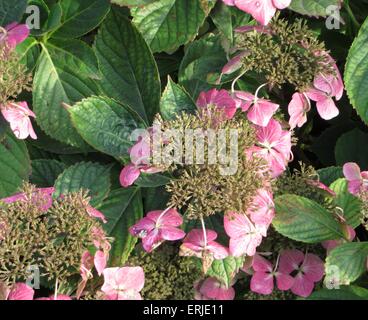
x: 172, y: 233
x: 245, y: 245
x: 170, y: 218
x: 131, y: 278
x: 96, y: 214
x: 152, y: 240
x: 261, y: 264
x: 219, y: 251
x: 262, y: 210
x: 140, y: 153
x: 281, y: 4
x: 262, y: 112
x: 327, y: 109
x: 352, y: 172
x: 313, y: 267
x: 234, y: 64
x: 17, y: 33
x: 290, y: 260
x: 213, y: 289
x: 236, y: 224
x: 100, y: 261
x: 302, y: 286
x: 262, y: 283
x: 129, y: 175
x: 298, y: 109
x: 142, y: 227
x: 21, y: 291
x: 196, y: 237
x: 284, y: 281
x: 261, y: 10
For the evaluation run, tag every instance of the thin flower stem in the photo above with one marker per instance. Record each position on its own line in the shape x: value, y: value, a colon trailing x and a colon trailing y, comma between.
x: 256, y: 94
x: 277, y: 262
x: 236, y: 80
x: 56, y: 289
x: 204, y: 232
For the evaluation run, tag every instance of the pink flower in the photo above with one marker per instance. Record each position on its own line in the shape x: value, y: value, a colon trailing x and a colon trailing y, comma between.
x: 262, y: 281
x: 17, y: 114
x: 234, y: 64
x: 325, y: 87
x: 20, y: 291
x: 157, y: 227
x: 86, y: 267
x: 261, y: 10
x: 322, y: 187
x: 274, y: 145
x: 245, y: 236
x: 211, y: 289
x: 309, y: 267
x: 260, y: 111
x: 43, y: 195
x: 298, y: 108
x: 221, y: 99
x: 357, y: 180
x: 262, y: 210
x: 123, y: 283
x: 140, y: 155
x: 196, y: 244
x: 16, y: 34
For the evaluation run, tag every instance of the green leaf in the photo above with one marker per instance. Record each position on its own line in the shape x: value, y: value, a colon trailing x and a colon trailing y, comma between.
x: 226, y: 269
x: 129, y: 70
x: 29, y: 51
x: 330, y: 174
x: 80, y: 17
x: 304, y: 220
x: 344, y: 293
x: 152, y: 180
x: 350, y: 259
x: 45, y: 172
x: 59, y: 81
x: 122, y: 209
x: 313, y: 7
x: 168, y: 24
x: 222, y: 18
x: 351, y: 147
x: 131, y: 3
x: 350, y: 205
x: 175, y: 100
x: 15, y: 164
x: 85, y: 175
x: 11, y: 11
x: 105, y: 124
x: 356, y: 73
x: 203, y: 58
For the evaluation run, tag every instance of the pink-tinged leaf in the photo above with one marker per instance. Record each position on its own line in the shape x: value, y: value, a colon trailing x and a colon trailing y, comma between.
x: 262, y: 283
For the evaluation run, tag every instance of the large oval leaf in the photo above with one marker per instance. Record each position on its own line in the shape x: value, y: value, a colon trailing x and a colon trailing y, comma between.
x: 175, y: 100
x: 313, y: 7
x: 122, y: 209
x: 80, y: 17
x: 45, y: 172
x: 304, y: 220
x: 356, y: 73
x: 350, y: 205
x: 350, y: 259
x: 129, y: 70
x: 60, y: 80
x: 168, y: 24
x: 11, y: 11
x: 105, y: 124
x: 87, y: 176
x: 15, y: 164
